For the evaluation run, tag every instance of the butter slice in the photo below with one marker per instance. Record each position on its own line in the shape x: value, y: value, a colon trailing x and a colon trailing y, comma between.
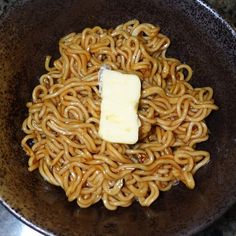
x: 119, y: 121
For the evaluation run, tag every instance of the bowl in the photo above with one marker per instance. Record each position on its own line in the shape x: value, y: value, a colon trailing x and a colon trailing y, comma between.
x: 30, y: 30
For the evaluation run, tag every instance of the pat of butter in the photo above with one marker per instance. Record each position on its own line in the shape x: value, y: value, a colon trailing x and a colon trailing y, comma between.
x: 119, y: 121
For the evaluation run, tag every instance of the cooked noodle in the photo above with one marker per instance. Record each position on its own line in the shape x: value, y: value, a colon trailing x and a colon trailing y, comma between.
x: 62, y: 125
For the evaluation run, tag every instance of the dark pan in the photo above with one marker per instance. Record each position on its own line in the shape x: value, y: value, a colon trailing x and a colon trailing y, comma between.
x: 30, y: 30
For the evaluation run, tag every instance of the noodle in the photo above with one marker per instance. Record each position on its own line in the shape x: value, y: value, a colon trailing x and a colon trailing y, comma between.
x: 62, y: 125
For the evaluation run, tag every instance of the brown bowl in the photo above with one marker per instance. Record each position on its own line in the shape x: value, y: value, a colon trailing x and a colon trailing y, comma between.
x: 31, y: 29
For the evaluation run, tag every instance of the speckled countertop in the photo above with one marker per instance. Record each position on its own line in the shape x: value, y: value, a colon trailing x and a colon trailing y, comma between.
x: 225, y: 226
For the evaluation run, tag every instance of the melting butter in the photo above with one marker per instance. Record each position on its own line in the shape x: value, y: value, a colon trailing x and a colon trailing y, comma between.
x: 120, y: 93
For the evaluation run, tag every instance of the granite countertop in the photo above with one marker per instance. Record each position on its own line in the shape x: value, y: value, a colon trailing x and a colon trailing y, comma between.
x: 225, y: 226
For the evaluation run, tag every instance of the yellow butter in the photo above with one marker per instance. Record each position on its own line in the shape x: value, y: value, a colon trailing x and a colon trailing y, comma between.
x: 120, y: 93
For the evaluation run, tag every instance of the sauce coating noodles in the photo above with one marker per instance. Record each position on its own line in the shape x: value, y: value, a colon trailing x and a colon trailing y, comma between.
x: 61, y: 129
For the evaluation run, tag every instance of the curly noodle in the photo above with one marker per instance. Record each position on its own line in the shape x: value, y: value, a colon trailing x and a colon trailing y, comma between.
x: 63, y: 119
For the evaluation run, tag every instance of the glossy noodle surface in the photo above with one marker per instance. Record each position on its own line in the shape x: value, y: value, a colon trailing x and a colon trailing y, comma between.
x: 61, y: 129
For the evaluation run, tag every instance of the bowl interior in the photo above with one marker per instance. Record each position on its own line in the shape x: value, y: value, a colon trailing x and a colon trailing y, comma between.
x: 31, y: 30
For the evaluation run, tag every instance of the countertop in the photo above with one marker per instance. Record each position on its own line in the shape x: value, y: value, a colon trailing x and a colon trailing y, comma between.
x: 225, y: 226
